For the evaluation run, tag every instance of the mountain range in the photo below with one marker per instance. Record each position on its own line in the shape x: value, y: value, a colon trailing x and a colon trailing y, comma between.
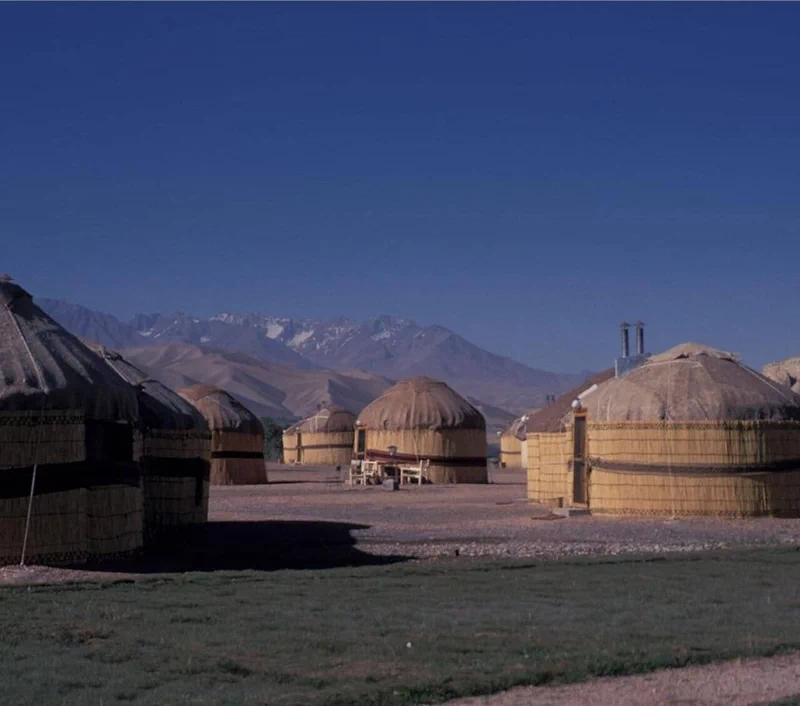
x: 387, y: 347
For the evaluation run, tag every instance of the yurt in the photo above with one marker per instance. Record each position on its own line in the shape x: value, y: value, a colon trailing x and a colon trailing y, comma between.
x: 549, y: 440
x: 173, y: 444
x: 423, y: 419
x: 237, y: 436
x: 323, y: 439
x: 692, y: 431
x: 68, y: 479
x: 511, y: 444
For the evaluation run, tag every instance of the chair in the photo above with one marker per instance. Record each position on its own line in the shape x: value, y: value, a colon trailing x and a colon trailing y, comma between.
x: 412, y: 473
x: 357, y: 475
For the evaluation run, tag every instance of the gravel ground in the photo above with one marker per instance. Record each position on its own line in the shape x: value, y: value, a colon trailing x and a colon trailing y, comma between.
x: 737, y: 683
x: 492, y: 520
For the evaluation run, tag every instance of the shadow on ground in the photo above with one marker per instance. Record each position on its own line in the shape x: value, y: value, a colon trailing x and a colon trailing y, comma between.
x: 259, y: 546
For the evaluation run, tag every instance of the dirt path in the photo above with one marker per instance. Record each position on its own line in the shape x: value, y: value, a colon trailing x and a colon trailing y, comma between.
x: 738, y: 683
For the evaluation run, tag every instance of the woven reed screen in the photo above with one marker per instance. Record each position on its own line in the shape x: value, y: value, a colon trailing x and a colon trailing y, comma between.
x: 176, y: 468
x: 291, y: 449
x: 325, y: 448
x: 510, y: 451
x: 732, y: 468
x: 550, y: 467
x: 237, y: 459
x: 456, y: 455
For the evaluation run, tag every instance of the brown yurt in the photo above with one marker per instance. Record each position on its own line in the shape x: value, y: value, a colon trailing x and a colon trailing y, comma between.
x: 425, y: 419
x: 548, y: 454
x: 693, y: 431
x: 173, y: 444
x: 237, y: 436
x: 511, y: 444
x: 323, y: 439
x: 66, y: 436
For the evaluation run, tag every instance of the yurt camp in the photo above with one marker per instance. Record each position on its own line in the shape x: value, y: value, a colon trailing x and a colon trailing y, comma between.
x: 511, y: 444
x: 237, y: 436
x: 68, y: 480
x: 424, y: 419
x: 173, y: 444
x: 548, y: 454
x: 323, y: 439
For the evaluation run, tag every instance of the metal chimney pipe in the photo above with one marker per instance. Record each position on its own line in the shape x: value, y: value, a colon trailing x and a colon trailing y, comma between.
x: 640, y: 337
x: 626, y: 347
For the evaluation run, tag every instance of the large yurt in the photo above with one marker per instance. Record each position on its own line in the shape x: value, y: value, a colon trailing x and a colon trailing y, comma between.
x: 548, y: 447
x: 693, y: 431
x: 237, y: 436
x: 67, y: 470
x: 423, y: 419
x: 323, y: 439
x: 511, y: 444
x: 173, y: 444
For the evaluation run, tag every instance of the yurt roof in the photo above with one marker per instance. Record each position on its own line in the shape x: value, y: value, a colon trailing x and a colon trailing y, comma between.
x: 44, y: 367
x: 159, y: 406
x: 222, y: 411
x: 688, y: 383
x: 550, y: 419
x: 328, y: 420
x: 421, y: 403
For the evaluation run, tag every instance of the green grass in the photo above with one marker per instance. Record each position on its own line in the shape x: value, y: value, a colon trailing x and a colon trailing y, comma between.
x: 399, y: 634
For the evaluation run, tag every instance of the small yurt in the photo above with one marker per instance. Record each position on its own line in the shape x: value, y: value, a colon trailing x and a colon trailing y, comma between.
x: 173, y: 444
x: 692, y: 431
x: 511, y: 444
x: 237, y: 436
x: 66, y: 436
x: 422, y: 419
x: 548, y: 447
x: 323, y: 439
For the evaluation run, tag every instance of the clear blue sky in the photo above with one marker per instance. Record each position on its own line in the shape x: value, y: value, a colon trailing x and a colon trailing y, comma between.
x: 525, y: 174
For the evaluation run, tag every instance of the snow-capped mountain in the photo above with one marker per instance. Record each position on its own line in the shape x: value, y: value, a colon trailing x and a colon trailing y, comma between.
x: 390, y: 346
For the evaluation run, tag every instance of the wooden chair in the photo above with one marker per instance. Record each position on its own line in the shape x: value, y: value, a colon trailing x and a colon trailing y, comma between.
x: 357, y: 475
x: 418, y: 473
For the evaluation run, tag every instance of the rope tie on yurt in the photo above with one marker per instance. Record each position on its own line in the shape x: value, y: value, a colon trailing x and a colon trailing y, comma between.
x: 43, y: 387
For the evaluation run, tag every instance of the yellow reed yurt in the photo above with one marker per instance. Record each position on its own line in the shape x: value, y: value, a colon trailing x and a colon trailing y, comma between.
x: 323, y: 439
x: 173, y: 444
x: 237, y: 436
x: 548, y: 447
x: 692, y: 431
x: 66, y: 434
x: 511, y: 444
x: 425, y: 419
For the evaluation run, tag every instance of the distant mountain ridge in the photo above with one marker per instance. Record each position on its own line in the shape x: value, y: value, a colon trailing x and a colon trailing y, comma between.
x: 389, y: 346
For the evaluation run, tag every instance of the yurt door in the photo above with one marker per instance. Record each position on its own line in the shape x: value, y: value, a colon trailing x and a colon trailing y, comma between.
x: 579, y: 459
x: 299, y: 458
x: 361, y: 442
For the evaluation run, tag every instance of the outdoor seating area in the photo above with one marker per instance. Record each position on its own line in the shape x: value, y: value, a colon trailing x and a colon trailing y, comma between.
x: 370, y: 472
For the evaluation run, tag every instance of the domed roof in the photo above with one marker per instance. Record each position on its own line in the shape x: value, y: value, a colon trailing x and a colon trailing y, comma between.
x: 550, y: 419
x: 44, y: 367
x: 421, y: 403
x: 692, y: 382
x: 159, y: 406
x: 328, y: 420
x: 222, y: 411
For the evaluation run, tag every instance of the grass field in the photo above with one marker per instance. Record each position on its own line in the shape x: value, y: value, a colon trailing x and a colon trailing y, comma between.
x: 396, y: 634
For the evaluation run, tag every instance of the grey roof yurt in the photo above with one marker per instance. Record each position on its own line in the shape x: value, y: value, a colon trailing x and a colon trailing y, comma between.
x: 173, y: 444
x: 424, y: 418
x: 67, y: 420
x: 237, y: 436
